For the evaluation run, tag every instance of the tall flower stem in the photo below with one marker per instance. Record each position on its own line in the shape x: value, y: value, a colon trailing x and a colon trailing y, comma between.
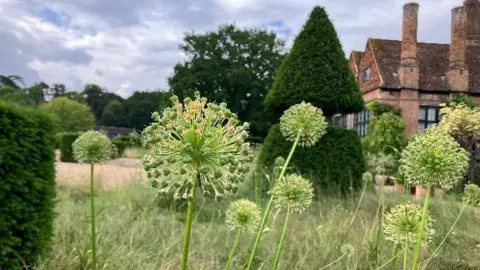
x: 269, y: 205
x: 282, y: 240
x: 446, y: 236
x: 395, y: 255
x: 359, y: 202
x: 92, y: 214
x: 405, y: 254
x: 234, y: 249
x: 334, y: 262
x: 188, y: 228
x: 416, y: 252
x: 390, y: 261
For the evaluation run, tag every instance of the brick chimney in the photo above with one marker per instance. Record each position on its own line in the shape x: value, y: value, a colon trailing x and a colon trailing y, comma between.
x: 457, y: 74
x: 409, y: 71
x: 473, y: 32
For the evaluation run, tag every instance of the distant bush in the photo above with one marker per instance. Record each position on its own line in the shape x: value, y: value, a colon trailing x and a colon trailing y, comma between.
x: 336, y: 161
x: 27, y: 185
x: 66, y: 141
x: 386, y: 134
x: 124, y: 142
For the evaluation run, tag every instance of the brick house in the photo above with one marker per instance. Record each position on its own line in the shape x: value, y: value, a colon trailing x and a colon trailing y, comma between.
x: 417, y: 77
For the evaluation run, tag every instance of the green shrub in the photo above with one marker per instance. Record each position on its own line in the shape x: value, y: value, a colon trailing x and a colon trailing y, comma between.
x: 66, y: 141
x: 386, y: 134
x: 336, y: 161
x: 316, y: 71
x: 123, y: 142
x: 27, y: 185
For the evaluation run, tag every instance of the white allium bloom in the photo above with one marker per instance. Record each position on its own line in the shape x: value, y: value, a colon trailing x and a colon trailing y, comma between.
x: 306, y: 120
x: 92, y: 147
x: 293, y: 192
x: 243, y: 214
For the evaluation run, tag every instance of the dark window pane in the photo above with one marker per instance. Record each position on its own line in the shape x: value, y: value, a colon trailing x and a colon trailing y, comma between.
x: 432, y: 114
x: 422, y: 113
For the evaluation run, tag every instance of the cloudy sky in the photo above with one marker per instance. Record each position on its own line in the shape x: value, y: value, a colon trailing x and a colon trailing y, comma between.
x: 128, y: 45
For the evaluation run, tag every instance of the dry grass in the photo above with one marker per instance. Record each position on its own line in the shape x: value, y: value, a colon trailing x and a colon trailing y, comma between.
x: 115, y: 173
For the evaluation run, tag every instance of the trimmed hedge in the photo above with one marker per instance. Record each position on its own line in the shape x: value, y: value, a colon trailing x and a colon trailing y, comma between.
x: 27, y: 185
x: 66, y: 150
x: 124, y: 142
x: 335, y: 162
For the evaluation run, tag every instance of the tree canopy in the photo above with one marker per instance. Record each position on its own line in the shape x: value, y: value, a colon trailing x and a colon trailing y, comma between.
x: 71, y: 116
x: 97, y: 98
x: 231, y: 65
x: 316, y: 71
x: 114, y: 114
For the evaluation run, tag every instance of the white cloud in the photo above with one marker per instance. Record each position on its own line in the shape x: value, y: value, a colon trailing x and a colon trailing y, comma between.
x: 129, y: 45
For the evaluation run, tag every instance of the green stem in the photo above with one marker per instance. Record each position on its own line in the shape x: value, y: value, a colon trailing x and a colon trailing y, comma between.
x: 92, y: 214
x: 416, y: 252
x: 282, y: 239
x: 359, y: 202
x: 269, y: 205
x: 188, y: 228
x: 395, y: 255
x: 389, y: 261
x: 446, y: 236
x: 334, y: 262
x: 405, y: 255
x: 227, y: 267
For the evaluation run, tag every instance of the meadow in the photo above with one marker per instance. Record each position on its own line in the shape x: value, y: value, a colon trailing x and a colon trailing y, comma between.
x: 137, y: 231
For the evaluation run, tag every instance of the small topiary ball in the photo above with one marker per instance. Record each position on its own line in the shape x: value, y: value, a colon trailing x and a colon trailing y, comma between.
x: 403, y: 221
x: 293, y: 192
x: 306, y: 119
x: 92, y: 147
x: 243, y: 214
x: 434, y: 157
x: 471, y: 195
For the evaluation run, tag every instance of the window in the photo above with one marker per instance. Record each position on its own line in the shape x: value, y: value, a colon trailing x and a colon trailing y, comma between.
x: 428, y: 116
x: 361, y: 122
x: 340, y: 120
x: 367, y: 74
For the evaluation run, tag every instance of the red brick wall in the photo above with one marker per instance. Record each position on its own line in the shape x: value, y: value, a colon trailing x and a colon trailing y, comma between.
x: 368, y: 61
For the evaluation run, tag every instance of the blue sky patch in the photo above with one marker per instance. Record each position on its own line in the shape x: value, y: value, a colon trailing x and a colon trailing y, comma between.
x: 59, y: 19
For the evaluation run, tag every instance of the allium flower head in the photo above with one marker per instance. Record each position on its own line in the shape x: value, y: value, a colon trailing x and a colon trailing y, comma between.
x: 293, y: 192
x: 92, y: 147
x: 243, y: 214
x: 471, y: 195
x: 434, y: 157
x: 306, y: 119
x: 196, y: 142
x: 367, y: 177
x: 403, y: 221
x: 348, y: 249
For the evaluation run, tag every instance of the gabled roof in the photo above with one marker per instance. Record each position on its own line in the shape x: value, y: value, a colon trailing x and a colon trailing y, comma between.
x: 357, y: 56
x: 433, y: 60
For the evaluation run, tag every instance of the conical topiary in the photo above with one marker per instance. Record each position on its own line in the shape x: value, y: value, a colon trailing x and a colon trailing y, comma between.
x: 316, y: 71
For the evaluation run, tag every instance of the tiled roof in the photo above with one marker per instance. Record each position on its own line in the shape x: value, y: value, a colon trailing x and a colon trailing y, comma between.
x: 115, y: 131
x: 357, y: 56
x: 433, y: 60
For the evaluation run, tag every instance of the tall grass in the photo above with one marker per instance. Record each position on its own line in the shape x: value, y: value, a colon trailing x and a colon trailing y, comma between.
x: 136, y: 232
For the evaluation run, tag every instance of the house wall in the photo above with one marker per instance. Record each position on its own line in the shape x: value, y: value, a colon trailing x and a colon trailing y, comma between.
x: 369, y: 61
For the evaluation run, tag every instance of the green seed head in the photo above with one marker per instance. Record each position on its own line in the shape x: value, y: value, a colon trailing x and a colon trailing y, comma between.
x: 471, y: 195
x: 306, y: 120
x: 367, y: 177
x: 434, y: 157
x: 92, y: 147
x: 403, y: 221
x: 243, y: 214
x: 348, y: 249
x: 196, y: 139
x: 294, y: 193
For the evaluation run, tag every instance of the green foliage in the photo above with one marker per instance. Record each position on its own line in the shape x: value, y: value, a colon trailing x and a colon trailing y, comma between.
x: 377, y: 109
x: 66, y: 149
x: 124, y: 142
x: 11, y: 81
x: 336, y: 161
x: 141, y: 105
x: 231, y: 65
x: 381, y: 163
x: 458, y: 98
x: 386, y: 134
x: 316, y: 71
x: 27, y: 185
x: 71, y: 116
x: 15, y: 95
x: 114, y: 114
x: 97, y: 98
x: 471, y: 195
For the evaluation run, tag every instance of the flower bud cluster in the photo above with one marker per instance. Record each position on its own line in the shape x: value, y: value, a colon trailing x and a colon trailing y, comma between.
x: 196, y: 142
x: 293, y: 192
x: 243, y: 214
x: 92, y: 147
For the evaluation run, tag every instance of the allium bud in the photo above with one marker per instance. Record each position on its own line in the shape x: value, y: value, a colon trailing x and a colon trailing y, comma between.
x: 471, y: 195
x: 92, y: 147
x: 403, y: 221
x: 306, y: 120
x: 197, y: 142
x: 293, y: 192
x: 367, y: 177
x: 434, y: 157
x: 243, y: 214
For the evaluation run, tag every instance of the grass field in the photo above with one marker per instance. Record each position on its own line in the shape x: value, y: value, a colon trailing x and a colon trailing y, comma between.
x: 137, y: 232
